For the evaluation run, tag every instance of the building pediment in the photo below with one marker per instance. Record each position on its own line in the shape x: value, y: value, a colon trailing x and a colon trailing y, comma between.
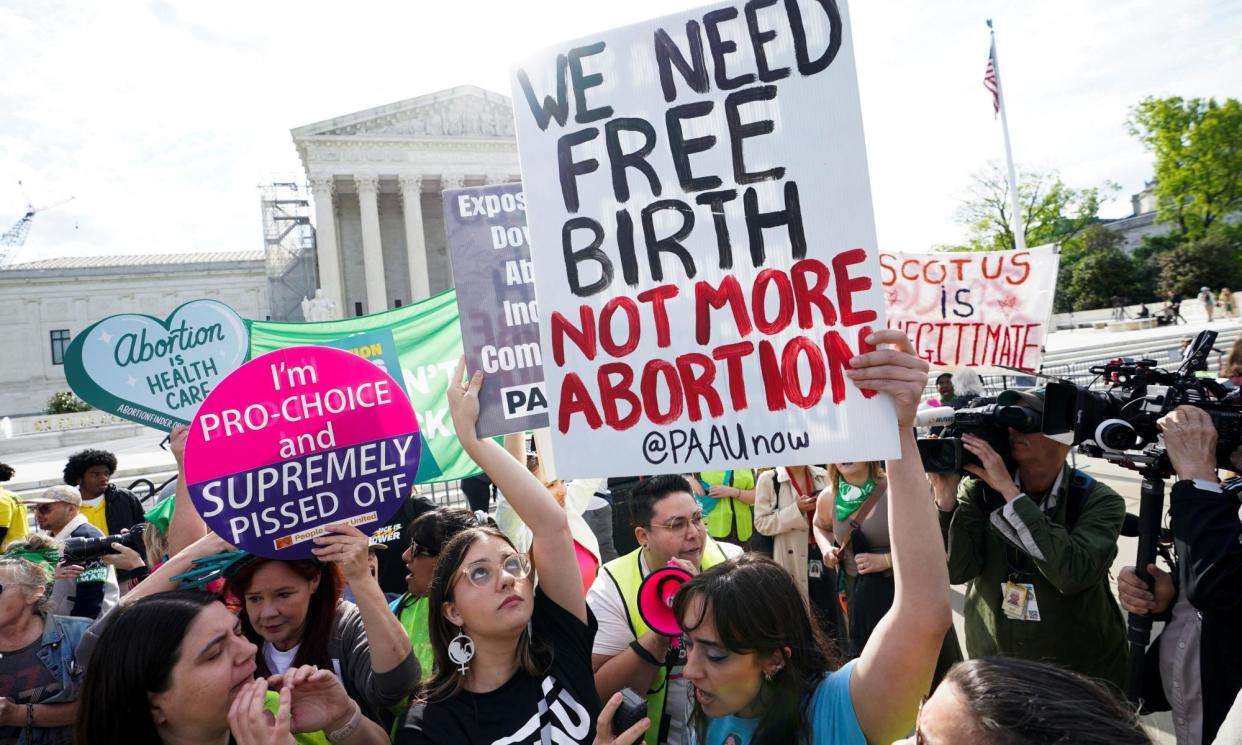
x: 464, y: 111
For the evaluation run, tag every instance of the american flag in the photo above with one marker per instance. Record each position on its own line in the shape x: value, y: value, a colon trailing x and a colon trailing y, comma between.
x: 989, y: 81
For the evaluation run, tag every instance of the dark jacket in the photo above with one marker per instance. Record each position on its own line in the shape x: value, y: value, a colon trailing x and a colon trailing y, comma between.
x: 122, y: 511
x: 1207, y: 533
x: 1081, y: 625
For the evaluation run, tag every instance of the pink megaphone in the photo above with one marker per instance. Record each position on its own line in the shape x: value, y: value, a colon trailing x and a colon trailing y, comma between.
x: 655, y: 599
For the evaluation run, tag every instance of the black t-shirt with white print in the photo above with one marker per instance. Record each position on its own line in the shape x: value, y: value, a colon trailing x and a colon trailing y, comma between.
x: 563, y: 700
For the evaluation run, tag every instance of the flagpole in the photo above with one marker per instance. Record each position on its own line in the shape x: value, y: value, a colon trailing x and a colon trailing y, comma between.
x: 1019, y: 231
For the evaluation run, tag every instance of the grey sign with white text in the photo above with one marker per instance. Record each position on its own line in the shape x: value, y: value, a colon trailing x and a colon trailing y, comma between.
x: 488, y: 245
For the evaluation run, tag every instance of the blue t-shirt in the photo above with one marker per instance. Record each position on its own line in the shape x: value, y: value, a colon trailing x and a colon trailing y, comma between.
x: 832, y: 717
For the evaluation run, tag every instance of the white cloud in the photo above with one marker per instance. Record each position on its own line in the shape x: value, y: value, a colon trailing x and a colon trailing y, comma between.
x: 163, y: 117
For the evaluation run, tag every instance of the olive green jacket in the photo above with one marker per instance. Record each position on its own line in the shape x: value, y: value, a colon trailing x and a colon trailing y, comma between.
x: 989, y: 542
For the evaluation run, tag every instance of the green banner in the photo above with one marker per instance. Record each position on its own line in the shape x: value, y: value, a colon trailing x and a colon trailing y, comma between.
x: 428, y: 344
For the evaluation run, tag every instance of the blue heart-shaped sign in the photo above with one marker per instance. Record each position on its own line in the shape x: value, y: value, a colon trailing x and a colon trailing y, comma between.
x: 157, y: 372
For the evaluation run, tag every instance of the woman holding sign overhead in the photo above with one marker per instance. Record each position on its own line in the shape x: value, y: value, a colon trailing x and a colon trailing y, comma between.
x: 513, y: 661
x: 762, y: 672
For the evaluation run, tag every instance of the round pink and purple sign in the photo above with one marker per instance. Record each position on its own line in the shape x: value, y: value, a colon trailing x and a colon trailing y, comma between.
x: 296, y: 440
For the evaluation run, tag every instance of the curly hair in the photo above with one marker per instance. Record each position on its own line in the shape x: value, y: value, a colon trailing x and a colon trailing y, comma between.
x: 6, y: 472
x: 80, y: 463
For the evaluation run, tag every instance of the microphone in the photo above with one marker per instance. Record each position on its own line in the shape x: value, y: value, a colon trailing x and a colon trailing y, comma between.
x: 937, y: 416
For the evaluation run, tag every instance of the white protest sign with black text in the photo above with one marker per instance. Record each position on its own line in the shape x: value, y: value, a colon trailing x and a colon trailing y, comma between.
x: 703, y: 241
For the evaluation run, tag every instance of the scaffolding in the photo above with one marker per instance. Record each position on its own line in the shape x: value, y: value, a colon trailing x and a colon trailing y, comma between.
x: 289, y: 248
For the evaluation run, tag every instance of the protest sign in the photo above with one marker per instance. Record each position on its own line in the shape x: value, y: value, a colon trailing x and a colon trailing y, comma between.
x: 298, y: 439
x: 489, y: 248
x: 982, y: 309
x: 156, y: 372
x: 703, y: 241
x: 428, y: 344
x: 380, y: 348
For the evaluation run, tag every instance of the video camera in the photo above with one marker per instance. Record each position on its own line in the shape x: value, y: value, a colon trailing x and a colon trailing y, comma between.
x: 987, y: 418
x: 84, y: 550
x: 1119, y: 424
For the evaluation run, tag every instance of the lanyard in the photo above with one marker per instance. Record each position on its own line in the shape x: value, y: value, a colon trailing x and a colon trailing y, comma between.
x: 797, y: 487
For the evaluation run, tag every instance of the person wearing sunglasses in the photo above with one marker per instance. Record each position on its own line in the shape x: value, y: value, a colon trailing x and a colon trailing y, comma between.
x: 669, y: 525
x: 429, y: 534
x: 1011, y: 701
x: 86, y: 589
x: 512, y: 660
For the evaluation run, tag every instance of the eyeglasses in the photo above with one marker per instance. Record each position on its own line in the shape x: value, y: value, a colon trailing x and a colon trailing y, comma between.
x: 482, y: 573
x: 679, y: 524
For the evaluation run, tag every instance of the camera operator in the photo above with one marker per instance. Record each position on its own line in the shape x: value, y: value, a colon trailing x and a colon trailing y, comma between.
x: 1195, y: 666
x: 1035, y: 547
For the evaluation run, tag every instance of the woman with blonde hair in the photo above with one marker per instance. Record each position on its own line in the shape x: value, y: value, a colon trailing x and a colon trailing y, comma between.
x: 39, y: 674
x: 1226, y: 302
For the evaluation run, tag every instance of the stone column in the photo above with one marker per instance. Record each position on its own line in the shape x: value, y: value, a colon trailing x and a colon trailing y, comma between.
x: 327, y: 254
x: 372, y: 251
x: 415, y: 243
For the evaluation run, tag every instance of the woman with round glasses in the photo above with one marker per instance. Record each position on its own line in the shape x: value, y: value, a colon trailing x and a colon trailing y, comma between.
x: 513, y: 662
x: 785, y: 501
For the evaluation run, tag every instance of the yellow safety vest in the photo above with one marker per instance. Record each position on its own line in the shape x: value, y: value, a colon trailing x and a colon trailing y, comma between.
x: 721, y: 519
x: 412, y: 613
x: 627, y: 574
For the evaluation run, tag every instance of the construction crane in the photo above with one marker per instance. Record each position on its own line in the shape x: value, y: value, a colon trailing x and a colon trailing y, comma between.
x: 15, y: 237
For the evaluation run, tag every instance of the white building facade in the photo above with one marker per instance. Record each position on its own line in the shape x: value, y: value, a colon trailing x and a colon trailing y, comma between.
x: 45, y: 304
x: 378, y: 177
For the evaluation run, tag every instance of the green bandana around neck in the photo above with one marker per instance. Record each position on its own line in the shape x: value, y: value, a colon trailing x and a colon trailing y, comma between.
x: 850, y: 497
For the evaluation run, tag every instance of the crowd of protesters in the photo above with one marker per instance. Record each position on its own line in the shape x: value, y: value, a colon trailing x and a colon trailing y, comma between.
x: 817, y: 608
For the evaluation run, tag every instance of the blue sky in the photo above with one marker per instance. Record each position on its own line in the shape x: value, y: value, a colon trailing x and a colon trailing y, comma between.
x: 162, y: 118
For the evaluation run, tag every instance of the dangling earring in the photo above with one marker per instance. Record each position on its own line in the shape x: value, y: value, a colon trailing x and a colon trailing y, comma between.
x: 461, y: 650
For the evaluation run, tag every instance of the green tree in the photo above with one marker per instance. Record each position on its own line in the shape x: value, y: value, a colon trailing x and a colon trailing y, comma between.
x: 1052, y: 212
x: 1198, y: 149
x: 1094, y: 270
x: 1214, y: 261
x: 1100, y: 279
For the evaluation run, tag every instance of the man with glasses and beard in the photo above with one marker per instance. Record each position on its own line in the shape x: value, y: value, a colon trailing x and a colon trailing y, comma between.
x: 668, y: 523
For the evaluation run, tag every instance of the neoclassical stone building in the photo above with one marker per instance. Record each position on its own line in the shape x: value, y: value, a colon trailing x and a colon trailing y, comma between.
x: 377, y: 177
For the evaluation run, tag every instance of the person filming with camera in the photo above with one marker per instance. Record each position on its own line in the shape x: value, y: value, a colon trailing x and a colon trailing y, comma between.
x: 1194, y: 667
x: 1034, y: 544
